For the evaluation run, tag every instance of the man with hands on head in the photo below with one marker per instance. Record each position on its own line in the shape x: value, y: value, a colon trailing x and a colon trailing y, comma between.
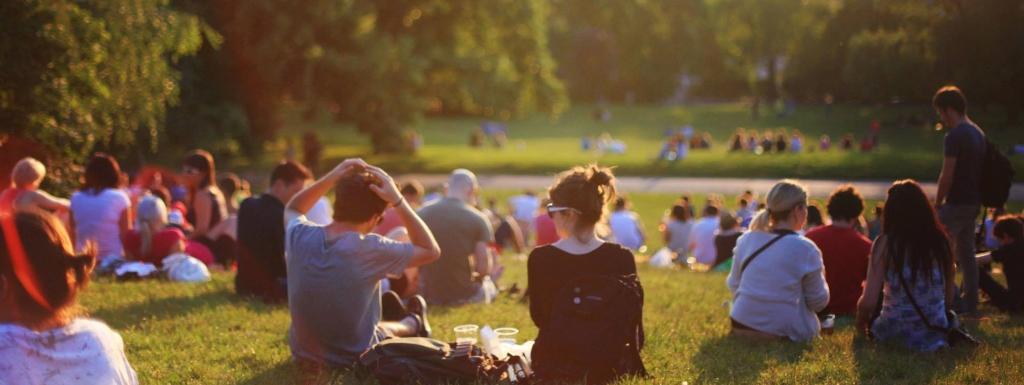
x: 334, y: 271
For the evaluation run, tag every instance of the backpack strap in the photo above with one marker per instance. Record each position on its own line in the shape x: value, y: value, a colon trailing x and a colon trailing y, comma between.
x: 920, y: 313
x: 762, y: 249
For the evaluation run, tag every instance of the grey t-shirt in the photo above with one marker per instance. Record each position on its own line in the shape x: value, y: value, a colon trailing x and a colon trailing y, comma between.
x: 965, y: 142
x: 457, y: 227
x: 334, y: 290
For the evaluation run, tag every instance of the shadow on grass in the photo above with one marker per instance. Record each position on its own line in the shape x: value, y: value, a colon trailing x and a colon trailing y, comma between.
x: 173, y: 307
x: 288, y: 372
x: 891, y: 362
x: 728, y: 359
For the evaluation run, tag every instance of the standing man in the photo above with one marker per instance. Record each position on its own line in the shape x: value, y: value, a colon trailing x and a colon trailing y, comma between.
x: 959, y: 197
x: 461, y: 276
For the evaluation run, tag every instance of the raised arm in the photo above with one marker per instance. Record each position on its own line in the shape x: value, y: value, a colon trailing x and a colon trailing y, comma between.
x: 46, y: 201
x: 426, y: 247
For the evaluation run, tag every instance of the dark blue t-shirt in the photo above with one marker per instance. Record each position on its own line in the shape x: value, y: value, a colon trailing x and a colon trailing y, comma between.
x: 966, y: 143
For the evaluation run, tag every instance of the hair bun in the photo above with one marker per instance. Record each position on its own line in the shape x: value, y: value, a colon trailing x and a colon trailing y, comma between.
x: 600, y: 176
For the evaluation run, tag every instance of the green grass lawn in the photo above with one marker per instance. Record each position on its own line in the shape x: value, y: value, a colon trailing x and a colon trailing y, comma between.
x: 539, y: 144
x: 203, y: 334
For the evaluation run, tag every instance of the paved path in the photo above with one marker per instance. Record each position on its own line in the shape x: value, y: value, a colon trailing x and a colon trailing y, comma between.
x: 678, y: 185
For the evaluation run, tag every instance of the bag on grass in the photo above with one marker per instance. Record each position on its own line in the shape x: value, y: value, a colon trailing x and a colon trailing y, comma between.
x: 181, y: 267
x: 425, y: 361
x: 663, y: 258
x: 595, y: 332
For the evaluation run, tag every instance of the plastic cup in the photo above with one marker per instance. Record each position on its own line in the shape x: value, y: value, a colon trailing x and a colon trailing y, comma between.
x: 467, y: 334
x: 506, y: 336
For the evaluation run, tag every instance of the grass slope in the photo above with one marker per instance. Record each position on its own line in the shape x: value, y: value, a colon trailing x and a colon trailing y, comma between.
x: 203, y: 334
x: 539, y: 144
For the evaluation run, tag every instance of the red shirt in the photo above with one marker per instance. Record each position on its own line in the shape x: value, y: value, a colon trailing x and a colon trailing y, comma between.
x: 158, y: 250
x: 845, y: 253
x: 546, y: 232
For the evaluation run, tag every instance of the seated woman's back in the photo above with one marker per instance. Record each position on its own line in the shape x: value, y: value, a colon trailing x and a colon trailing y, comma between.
x: 549, y: 268
x: 41, y: 341
x: 84, y: 351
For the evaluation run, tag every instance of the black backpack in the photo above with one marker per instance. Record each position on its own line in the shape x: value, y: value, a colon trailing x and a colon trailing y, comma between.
x: 595, y: 332
x: 425, y: 361
x: 996, y: 177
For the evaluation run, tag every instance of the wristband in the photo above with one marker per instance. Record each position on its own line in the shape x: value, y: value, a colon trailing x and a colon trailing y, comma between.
x: 399, y: 203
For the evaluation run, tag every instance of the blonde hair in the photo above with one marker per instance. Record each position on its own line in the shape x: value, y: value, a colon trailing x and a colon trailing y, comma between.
x: 27, y: 171
x: 151, y: 218
x: 781, y: 200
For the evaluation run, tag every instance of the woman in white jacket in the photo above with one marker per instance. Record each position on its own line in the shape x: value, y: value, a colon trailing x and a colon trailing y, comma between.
x: 778, y: 278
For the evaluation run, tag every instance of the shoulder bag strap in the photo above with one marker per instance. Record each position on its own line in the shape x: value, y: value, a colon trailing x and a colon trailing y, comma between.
x: 920, y: 313
x: 759, y: 251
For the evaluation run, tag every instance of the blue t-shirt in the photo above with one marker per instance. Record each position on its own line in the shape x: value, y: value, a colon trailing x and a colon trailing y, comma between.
x: 334, y: 290
x: 966, y: 143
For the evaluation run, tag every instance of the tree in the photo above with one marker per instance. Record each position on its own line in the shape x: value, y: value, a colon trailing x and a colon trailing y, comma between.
x: 87, y: 75
x: 382, y: 64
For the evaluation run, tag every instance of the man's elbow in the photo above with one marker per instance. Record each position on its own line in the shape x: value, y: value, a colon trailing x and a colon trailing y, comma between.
x: 434, y: 253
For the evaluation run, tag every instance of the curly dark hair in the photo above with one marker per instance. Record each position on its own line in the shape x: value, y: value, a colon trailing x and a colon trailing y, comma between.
x: 845, y: 204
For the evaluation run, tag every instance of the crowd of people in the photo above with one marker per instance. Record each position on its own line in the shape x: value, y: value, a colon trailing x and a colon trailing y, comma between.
x: 362, y: 267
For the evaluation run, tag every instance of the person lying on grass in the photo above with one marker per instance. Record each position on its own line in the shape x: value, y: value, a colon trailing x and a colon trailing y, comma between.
x: 42, y: 340
x: 334, y: 271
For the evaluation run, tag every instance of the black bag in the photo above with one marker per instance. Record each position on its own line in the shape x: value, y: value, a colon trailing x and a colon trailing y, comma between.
x: 425, y: 361
x: 595, y: 332
x: 956, y: 334
x: 996, y: 177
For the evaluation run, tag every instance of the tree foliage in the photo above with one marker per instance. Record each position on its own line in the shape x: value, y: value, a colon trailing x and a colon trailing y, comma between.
x: 86, y: 75
x: 382, y: 64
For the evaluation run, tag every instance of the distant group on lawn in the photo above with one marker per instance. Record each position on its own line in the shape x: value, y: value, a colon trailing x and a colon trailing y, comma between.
x: 361, y: 268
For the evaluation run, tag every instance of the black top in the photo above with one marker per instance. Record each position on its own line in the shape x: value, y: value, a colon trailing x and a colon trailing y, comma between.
x: 550, y: 267
x: 724, y: 244
x: 261, y: 266
x: 215, y: 212
x: 1012, y: 258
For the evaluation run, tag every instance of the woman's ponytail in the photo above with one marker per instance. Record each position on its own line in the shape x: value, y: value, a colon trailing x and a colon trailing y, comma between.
x: 762, y: 221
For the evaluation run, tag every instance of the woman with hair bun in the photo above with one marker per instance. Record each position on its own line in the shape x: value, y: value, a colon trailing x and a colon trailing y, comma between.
x: 778, y: 278
x: 42, y: 340
x: 578, y: 198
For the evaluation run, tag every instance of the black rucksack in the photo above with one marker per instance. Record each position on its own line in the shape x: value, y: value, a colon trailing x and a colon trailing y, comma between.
x: 595, y: 331
x: 996, y: 177
x: 425, y: 361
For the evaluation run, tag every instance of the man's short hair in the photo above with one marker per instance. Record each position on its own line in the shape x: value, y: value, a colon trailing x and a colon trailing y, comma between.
x: 354, y: 202
x: 1009, y: 226
x: 950, y: 97
x: 462, y: 181
x: 710, y: 210
x: 845, y: 204
x: 412, y: 188
x: 290, y: 172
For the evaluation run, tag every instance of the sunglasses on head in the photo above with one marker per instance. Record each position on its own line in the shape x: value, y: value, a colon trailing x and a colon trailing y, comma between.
x: 552, y: 209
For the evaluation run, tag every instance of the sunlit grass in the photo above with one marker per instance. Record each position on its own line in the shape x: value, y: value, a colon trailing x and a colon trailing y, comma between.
x: 540, y: 144
x: 203, y: 334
